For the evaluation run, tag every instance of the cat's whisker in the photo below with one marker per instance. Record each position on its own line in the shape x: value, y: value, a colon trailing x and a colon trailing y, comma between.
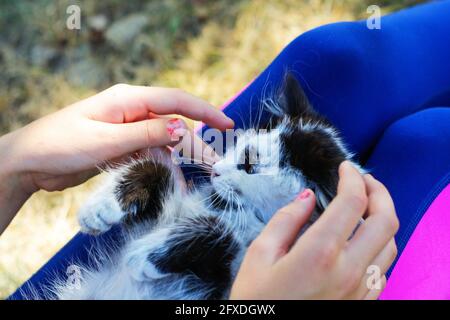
x: 242, y: 218
x: 244, y: 126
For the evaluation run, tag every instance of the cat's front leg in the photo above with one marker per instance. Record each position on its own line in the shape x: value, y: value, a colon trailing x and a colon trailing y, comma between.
x: 133, y: 193
x: 102, y: 209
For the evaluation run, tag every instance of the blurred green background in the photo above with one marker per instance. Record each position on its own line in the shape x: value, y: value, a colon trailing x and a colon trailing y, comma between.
x: 209, y: 48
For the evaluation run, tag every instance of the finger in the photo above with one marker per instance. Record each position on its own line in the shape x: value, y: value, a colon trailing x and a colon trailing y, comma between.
x: 374, y: 294
x: 386, y: 257
x: 379, y: 198
x: 125, y: 103
x: 191, y: 148
x: 130, y: 137
x: 284, y: 227
x: 61, y: 182
x: 378, y: 229
x: 345, y: 211
x: 381, y: 264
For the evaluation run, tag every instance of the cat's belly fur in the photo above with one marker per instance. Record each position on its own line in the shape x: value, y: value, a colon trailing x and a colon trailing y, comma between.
x: 128, y: 274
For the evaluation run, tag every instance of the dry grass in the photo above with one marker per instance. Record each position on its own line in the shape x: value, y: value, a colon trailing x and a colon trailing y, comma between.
x: 231, y: 45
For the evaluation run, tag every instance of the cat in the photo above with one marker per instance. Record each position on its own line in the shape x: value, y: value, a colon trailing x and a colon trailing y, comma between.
x: 188, y: 243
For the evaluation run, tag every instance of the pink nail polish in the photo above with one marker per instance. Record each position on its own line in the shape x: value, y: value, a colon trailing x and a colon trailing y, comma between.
x: 304, y: 195
x: 176, y: 129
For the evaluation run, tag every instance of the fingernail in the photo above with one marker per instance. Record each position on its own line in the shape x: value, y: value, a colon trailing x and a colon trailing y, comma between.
x: 176, y: 129
x: 304, y: 195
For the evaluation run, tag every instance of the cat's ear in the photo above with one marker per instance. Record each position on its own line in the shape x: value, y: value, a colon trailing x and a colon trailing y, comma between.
x: 290, y: 100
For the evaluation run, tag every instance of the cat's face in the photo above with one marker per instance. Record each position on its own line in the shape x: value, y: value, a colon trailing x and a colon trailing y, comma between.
x: 266, y: 170
x: 251, y: 174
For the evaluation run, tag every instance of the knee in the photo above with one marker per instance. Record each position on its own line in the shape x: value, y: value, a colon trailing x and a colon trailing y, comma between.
x: 338, y: 45
x: 423, y: 134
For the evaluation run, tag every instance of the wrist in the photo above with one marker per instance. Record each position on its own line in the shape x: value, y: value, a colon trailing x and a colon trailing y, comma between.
x: 14, y: 191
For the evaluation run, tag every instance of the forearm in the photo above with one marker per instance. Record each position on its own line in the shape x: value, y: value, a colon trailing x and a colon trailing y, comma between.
x: 12, y: 192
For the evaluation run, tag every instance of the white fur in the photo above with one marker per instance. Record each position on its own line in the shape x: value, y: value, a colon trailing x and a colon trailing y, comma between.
x: 266, y: 191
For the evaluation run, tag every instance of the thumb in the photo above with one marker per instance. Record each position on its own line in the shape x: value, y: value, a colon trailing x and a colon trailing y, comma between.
x: 284, y: 227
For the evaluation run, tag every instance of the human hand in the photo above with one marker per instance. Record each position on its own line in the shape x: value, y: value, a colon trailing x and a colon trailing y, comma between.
x: 64, y: 149
x: 323, y: 263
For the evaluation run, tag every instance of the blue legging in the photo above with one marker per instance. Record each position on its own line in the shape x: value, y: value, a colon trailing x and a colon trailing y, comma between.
x: 412, y: 159
x: 374, y: 85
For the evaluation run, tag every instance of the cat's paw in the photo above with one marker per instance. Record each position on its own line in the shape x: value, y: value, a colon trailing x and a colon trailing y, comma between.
x: 99, y: 215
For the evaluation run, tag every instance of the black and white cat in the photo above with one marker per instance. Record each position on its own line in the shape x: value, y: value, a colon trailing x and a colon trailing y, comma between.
x: 188, y: 243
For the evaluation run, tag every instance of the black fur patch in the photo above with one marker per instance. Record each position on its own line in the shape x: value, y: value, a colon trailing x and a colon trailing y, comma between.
x: 142, y: 189
x: 314, y: 152
x: 201, y: 246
